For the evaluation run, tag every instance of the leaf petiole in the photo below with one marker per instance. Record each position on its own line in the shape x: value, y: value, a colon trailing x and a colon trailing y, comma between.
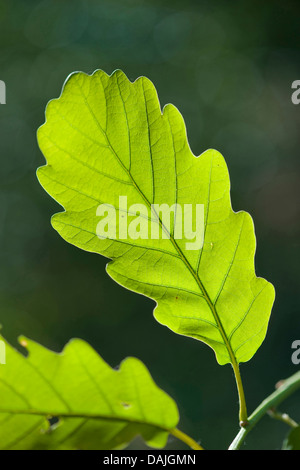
x: 186, y: 439
x: 243, y: 415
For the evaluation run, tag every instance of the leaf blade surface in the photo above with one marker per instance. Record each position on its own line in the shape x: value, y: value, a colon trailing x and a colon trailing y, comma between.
x: 97, y: 407
x: 105, y: 137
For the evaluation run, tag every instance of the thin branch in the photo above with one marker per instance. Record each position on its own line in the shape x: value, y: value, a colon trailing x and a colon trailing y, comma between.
x: 283, y: 417
x: 286, y: 388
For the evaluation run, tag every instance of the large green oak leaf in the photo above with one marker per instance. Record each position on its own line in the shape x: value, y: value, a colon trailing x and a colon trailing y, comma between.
x: 97, y: 407
x: 107, y: 137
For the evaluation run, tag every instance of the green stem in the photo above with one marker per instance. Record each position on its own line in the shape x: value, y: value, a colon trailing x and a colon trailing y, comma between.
x: 243, y: 415
x: 283, y: 417
x: 186, y: 439
x: 287, y: 387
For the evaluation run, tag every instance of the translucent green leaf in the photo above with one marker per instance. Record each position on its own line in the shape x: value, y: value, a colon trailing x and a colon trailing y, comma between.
x: 106, y: 137
x: 97, y: 407
x: 292, y: 442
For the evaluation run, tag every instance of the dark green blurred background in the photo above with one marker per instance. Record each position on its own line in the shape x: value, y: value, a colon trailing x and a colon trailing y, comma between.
x: 228, y: 66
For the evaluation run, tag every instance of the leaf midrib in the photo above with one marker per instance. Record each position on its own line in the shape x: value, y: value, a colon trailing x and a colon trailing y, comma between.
x: 74, y: 415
